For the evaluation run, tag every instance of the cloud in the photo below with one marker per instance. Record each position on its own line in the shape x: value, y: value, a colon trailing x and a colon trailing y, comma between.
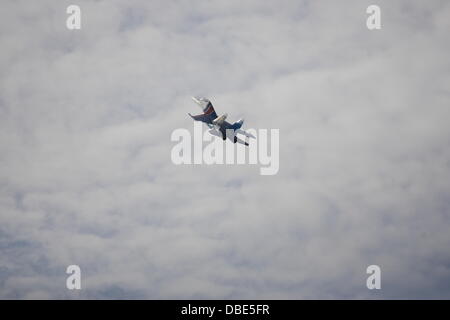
x: 86, y: 176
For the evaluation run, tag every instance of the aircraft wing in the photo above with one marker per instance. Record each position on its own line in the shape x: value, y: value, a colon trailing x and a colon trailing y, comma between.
x: 221, y: 134
x: 209, y: 114
x: 202, y: 117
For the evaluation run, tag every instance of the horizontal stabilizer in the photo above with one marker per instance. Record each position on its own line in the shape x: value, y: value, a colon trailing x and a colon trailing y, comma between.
x: 244, y: 133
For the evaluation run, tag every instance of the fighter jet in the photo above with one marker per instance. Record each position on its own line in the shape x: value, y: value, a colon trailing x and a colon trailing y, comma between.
x: 218, y: 126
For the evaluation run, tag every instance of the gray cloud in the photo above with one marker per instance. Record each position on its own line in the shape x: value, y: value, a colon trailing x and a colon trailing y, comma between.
x: 85, y: 170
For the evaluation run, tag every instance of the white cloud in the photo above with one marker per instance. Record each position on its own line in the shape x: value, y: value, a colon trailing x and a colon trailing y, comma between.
x: 85, y: 170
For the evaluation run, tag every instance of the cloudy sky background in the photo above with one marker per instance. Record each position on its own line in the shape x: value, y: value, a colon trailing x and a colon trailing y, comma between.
x: 85, y: 170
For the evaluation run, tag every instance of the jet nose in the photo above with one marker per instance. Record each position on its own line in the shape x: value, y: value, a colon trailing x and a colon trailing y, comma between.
x: 195, y: 99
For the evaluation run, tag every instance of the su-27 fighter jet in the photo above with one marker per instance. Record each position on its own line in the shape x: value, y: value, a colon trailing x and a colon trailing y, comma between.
x: 217, y: 125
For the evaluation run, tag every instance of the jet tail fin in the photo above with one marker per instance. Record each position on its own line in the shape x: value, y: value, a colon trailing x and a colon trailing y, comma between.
x: 238, y: 124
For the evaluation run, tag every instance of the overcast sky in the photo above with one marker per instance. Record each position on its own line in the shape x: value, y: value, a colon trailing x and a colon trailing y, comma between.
x: 86, y: 176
